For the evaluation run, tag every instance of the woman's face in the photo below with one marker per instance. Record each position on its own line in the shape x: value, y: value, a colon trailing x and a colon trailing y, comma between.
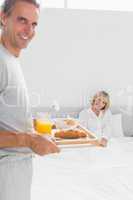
x: 99, y: 103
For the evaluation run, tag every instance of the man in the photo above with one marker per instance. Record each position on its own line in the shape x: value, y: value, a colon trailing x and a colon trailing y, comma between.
x: 19, y: 19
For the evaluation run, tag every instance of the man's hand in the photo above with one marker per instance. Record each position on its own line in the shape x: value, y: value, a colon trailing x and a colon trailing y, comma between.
x: 39, y: 144
x: 42, y: 145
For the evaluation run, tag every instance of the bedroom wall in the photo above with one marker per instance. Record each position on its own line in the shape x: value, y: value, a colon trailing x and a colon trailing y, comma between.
x: 77, y: 52
x: 96, y: 4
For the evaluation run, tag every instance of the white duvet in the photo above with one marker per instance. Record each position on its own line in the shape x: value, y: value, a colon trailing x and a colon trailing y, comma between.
x: 86, y: 173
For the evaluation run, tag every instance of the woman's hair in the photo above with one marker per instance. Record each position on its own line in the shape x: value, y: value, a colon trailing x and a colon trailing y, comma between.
x: 106, y: 97
x: 8, y: 6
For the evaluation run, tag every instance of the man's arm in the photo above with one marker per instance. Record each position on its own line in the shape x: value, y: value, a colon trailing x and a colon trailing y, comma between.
x: 40, y: 145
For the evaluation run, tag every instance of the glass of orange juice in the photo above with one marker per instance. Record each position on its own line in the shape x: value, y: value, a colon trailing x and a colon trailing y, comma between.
x: 43, y: 126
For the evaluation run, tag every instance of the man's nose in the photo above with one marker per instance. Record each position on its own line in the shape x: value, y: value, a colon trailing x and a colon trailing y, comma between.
x: 29, y: 29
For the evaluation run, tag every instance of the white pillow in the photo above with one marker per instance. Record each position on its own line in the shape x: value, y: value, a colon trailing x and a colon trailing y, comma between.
x: 117, y: 130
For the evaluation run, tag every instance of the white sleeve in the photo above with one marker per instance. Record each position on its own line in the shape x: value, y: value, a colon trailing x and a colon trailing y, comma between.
x: 3, y: 76
x: 106, y: 126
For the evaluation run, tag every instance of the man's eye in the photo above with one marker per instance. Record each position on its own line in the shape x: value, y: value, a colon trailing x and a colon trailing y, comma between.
x: 34, y: 25
x: 22, y: 20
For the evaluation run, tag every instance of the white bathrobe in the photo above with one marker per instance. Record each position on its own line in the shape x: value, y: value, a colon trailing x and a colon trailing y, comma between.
x: 100, y: 125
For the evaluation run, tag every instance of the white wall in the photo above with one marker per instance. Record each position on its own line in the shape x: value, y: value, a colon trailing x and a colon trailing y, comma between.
x: 123, y: 5
x: 77, y: 51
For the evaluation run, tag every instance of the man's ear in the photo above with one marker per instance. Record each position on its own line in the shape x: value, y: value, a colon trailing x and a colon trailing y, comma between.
x: 3, y: 18
x: 0, y: 19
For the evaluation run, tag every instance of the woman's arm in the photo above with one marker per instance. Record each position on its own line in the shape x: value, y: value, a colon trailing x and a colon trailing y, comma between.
x: 103, y: 142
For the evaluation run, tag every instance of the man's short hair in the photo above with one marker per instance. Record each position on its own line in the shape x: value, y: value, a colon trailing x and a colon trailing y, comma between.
x: 8, y: 5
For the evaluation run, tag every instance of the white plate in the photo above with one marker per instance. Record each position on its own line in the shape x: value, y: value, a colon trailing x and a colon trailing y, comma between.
x: 61, y: 123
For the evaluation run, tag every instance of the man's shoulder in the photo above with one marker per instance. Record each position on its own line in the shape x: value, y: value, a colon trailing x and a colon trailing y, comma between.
x: 5, y: 59
x: 3, y: 56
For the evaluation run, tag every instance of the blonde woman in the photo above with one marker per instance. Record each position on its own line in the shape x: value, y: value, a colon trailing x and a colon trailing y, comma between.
x: 98, y: 117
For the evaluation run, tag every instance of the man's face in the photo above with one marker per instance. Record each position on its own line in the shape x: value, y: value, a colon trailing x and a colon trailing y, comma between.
x: 19, y: 26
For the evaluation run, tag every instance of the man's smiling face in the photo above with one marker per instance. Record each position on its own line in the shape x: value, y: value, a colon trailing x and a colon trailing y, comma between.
x: 19, y: 26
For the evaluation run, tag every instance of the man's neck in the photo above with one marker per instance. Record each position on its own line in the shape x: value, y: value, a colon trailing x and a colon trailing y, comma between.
x: 7, y: 45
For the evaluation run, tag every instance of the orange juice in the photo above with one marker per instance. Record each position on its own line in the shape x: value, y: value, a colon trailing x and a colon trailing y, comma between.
x: 43, y: 127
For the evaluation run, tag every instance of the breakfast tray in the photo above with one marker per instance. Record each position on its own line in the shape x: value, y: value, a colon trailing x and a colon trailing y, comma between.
x: 91, y: 139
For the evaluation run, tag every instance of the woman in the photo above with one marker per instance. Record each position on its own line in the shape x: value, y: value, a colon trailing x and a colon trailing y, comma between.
x: 98, y: 117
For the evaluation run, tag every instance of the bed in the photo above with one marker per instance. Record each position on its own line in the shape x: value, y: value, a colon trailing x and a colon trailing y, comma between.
x: 86, y: 172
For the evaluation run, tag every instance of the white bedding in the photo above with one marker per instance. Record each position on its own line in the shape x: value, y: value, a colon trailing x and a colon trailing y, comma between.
x: 86, y: 173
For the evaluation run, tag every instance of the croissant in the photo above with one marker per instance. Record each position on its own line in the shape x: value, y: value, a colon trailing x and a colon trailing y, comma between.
x: 70, y: 134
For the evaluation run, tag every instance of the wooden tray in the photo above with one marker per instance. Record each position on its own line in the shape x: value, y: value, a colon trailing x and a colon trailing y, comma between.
x: 91, y: 139
x: 80, y: 141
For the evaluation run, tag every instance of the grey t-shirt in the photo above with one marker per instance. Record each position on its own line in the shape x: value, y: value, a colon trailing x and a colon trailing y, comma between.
x: 15, y: 111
